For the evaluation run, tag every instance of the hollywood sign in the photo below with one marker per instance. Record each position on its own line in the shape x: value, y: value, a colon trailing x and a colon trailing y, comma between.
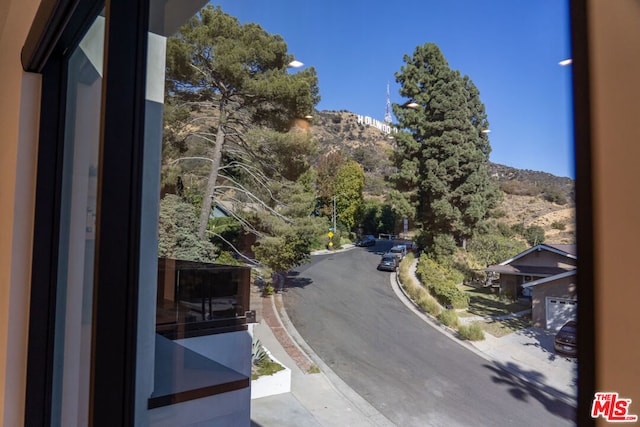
x: 381, y: 126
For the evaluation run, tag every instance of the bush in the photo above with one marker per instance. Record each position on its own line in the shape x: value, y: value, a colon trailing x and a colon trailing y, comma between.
x: 449, y: 295
x: 449, y: 318
x: 555, y: 195
x: 534, y: 235
x: 268, y: 290
x: 558, y: 225
x: 258, y: 353
x: 505, y: 230
x: 498, y: 213
x: 429, y: 305
x: 472, y: 332
x: 441, y: 283
x: 518, y: 228
x: 519, y: 188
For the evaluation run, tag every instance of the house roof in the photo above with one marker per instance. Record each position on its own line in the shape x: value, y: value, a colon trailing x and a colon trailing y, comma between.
x: 565, y: 250
x: 569, y: 249
x: 527, y: 270
x: 550, y: 279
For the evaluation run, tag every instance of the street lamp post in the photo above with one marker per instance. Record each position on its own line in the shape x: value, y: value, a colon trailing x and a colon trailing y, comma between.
x: 335, y: 210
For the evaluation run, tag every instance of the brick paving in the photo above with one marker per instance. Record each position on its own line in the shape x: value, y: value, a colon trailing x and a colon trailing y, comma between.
x: 264, y: 307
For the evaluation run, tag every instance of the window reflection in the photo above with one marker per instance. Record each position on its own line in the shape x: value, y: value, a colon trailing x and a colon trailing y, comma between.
x: 77, y: 232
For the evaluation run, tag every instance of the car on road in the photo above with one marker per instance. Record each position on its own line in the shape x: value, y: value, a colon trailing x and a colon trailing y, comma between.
x: 565, y: 342
x: 368, y: 240
x: 400, y: 251
x: 388, y: 262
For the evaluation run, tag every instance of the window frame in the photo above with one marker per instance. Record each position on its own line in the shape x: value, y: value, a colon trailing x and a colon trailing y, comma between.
x: 56, y: 31
x: 57, y: 28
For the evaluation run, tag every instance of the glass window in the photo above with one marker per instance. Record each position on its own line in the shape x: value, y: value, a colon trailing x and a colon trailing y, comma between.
x: 72, y: 354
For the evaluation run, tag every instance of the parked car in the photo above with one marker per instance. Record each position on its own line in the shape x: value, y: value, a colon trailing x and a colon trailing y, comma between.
x: 388, y: 262
x: 566, y: 339
x: 368, y: 240
x: 399, y: 251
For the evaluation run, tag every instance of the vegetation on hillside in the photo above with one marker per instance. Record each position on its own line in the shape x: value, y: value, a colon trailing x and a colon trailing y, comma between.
x: 237, y: 138
x: 236, y: 76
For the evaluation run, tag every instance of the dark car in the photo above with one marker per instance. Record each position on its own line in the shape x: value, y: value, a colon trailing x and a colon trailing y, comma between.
x: 388, y: 262
x: 566, y: 339
x: 366, y: 241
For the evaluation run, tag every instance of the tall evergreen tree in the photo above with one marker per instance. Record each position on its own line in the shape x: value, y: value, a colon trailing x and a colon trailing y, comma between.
x: 443, y: 152
x: 348, y: 186
x: 238, y: 73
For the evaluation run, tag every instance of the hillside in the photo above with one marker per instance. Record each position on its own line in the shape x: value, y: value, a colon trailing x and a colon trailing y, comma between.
x: 531, y: 197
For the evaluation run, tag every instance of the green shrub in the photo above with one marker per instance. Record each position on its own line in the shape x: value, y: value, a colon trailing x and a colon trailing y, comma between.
x: 258, y: 352
x: 498, y: 213
x: 472, y: 332
x: 519, y: 188
x: 505, y: 229
x: 266, y: 367
x: 449, y: 296
x: 555, y: 195
x: 558, y: 225
x: 268, y: 290
x: 441, y: 282
x: 429, y: 305
x: 518, y: 228
x: 534, y: 235
x: 449, y: 318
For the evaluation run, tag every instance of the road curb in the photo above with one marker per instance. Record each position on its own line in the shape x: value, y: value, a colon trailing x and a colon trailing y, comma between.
x: 375, y: 417
x: 452, y: 334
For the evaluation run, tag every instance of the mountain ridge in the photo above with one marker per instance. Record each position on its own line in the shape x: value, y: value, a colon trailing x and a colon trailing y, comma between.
x: 530, y: 197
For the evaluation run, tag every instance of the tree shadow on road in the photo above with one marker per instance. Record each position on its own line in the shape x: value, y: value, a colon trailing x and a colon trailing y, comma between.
x: 543, y: 341
x: 529, y: 385
x: 293, y: 280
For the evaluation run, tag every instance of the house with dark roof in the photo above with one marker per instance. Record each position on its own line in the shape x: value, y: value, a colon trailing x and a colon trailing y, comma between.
x: 545, y: 275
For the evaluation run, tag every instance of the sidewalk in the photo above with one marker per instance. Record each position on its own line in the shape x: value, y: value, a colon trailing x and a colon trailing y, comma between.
x: 323, y: 399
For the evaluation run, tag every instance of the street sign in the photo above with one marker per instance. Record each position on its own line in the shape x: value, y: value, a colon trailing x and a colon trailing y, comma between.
x: 330, y: 244
x: 330, y: 234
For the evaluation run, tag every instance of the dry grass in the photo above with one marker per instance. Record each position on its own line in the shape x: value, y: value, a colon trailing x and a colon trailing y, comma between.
x: 534, y: 210
x: 415, y: 290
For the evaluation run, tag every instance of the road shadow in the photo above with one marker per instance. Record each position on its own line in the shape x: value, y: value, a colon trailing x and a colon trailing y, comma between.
x: 526, y: 386
x: 542, y: 340
x: 293, y: 280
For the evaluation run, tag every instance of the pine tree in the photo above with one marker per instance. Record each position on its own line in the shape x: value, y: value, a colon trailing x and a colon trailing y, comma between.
x: 238, y: 75
x: 443, y: 152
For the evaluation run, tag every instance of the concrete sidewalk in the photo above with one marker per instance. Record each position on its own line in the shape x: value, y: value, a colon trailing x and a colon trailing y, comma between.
x: 323, y: 399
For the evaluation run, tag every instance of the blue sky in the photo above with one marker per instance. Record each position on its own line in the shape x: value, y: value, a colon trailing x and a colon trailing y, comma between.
x: 509, y: 48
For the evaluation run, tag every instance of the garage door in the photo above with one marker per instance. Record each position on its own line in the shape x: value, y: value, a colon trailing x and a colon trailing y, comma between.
x: 560, y: 311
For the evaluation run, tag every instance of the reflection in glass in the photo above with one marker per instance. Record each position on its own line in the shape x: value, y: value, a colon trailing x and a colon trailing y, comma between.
x: 77, y: 232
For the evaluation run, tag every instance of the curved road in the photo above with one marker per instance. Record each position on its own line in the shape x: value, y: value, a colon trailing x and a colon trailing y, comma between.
x: 347, y: 312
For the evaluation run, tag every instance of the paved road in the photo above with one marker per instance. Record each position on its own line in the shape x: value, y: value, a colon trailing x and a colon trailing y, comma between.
x: 347, y: 312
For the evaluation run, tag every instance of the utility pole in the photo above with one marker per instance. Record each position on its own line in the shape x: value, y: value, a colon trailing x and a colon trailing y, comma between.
x: 387, y: 113
x: 334, y: 213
